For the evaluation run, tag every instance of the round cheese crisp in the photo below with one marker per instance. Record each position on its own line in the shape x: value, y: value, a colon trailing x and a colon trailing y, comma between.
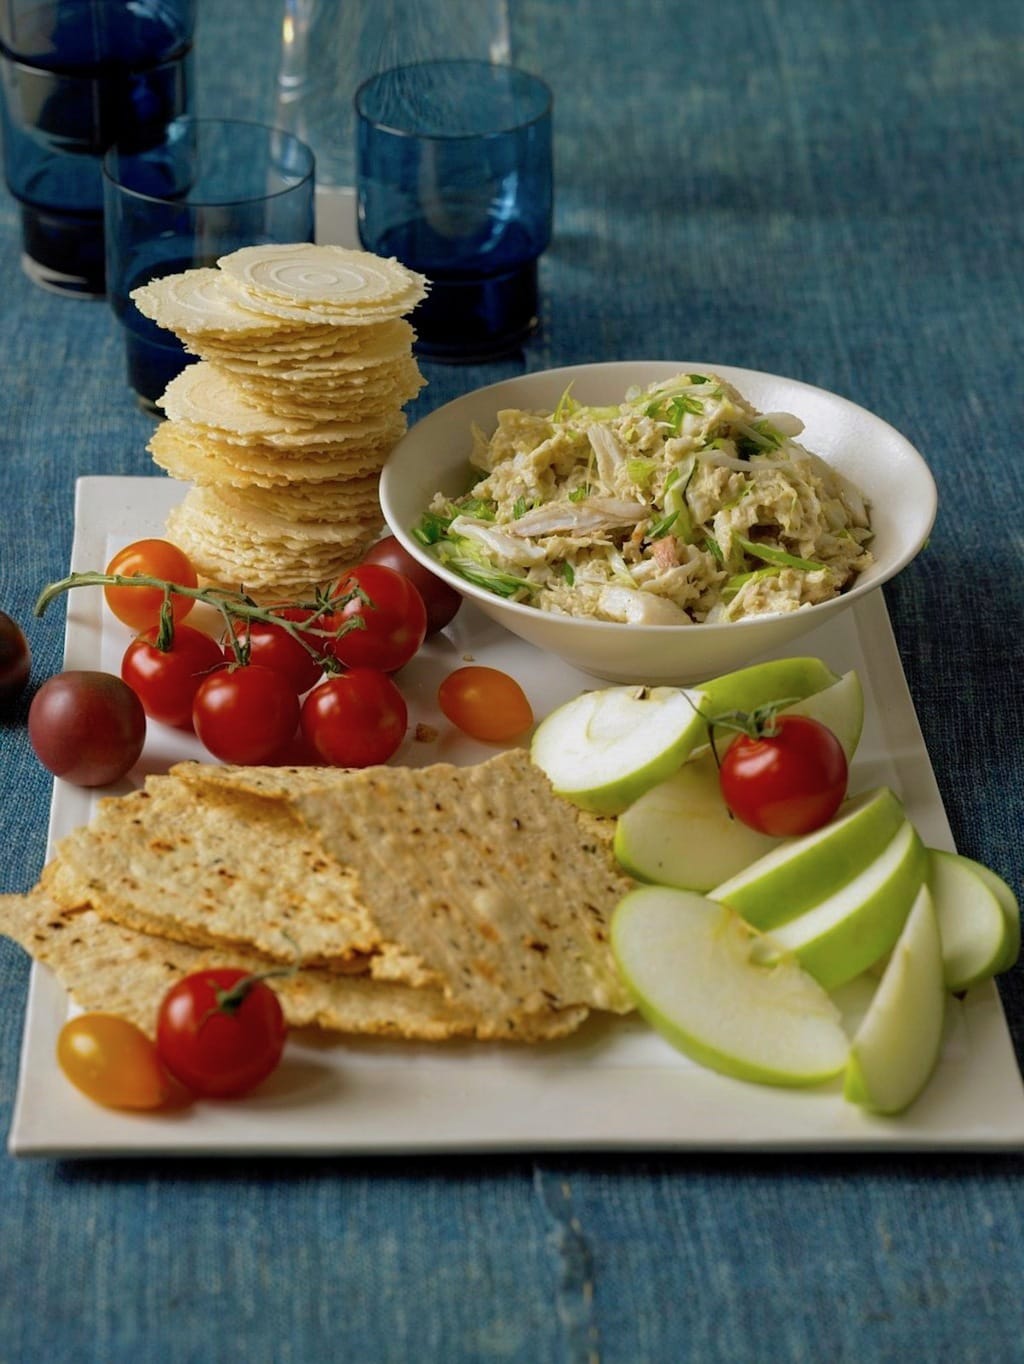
x: 320, y: 279
x: 196, y: 303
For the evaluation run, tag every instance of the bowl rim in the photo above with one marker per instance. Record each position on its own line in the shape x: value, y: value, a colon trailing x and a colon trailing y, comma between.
x: 735, y: 374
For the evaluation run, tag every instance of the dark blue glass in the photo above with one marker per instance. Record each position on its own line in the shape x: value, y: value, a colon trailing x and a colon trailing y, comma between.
x: 208, y: 187
x: 77, y: 76
x: 454, y: 179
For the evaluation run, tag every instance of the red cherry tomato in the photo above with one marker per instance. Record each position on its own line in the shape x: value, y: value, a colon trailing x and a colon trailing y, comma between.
x: 87, y: 727
x: 485, y: 703
x: 355, y: 720
x: 244, y: 715
x: 788, y: 782
x: 220, y: 1032
x: 394, y: 619
x: 112, y: 1062
x: 15, y: 659
x: 166, y: 680
x: 139, y: 607
x: 441, y: 601
x: 273, y: 647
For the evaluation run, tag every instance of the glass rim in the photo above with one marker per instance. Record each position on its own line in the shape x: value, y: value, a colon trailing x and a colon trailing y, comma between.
x: 538, y: 84
x: 189, y: 121
x: 24, y: 62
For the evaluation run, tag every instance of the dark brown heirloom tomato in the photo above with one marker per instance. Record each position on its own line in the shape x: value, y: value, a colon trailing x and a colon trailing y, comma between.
x: 15, y: 659
x: 87, y: 727
x: 441, y: 601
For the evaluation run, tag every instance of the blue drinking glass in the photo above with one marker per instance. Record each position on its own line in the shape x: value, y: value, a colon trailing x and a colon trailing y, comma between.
x: 75, y: 77
x: 207, y: 188
x: 454, y: 178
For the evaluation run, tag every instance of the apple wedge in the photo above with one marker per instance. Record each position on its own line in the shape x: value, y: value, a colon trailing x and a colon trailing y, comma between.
x: 839, y: 708
x: 972, y: 924
x: 680, y: 833
x: 606, y: 748
x: 1009, y: 906
x: 801, y: 872
x: 778, y: 679
x: 691, y: 966
x: 849, y: 931
x: 896, y: 1047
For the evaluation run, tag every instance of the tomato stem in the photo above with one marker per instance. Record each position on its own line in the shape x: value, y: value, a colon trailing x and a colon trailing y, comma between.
x: 233, y: 606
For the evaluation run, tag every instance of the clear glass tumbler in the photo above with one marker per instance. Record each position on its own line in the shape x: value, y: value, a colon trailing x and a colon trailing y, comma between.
x: 209, y: 187
x: 454, y: 178
x: 77, y: 76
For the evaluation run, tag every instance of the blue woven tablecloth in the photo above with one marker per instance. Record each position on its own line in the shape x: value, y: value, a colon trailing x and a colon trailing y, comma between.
x: 826, y: 190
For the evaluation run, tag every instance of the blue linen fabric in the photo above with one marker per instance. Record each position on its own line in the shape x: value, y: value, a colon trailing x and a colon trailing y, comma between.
x: 828, y: 191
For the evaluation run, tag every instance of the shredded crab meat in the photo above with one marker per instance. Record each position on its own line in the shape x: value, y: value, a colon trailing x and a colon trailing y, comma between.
x: 679, y: 505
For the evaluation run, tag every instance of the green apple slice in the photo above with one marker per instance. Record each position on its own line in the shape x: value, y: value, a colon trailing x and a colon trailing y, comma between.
x: 1008, y: 904
x: 681, y: 833
x: 897, y: 1045
x: 839, y: 708
x: 691, y: 966
x: 777, y: 680
x: 605, y: 748
x: 972, y: 924
x: 801, y: 872
x: 847, y: 932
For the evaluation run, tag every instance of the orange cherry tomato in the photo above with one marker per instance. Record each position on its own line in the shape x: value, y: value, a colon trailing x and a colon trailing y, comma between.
x: 139, y: 607
x: 485, y: 704
x: 112, y: 1062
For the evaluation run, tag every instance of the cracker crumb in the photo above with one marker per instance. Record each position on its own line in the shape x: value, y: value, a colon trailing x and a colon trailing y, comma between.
x: 425, y: 734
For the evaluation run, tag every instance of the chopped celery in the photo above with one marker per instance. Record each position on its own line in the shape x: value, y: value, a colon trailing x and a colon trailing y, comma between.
x: 641, y: 471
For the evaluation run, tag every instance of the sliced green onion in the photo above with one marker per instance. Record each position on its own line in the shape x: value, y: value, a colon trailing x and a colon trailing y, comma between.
x: 770, y: 554
x: 661, y: 528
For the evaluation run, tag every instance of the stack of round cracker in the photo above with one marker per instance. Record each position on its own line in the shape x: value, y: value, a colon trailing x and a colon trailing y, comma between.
x: 282, y: 428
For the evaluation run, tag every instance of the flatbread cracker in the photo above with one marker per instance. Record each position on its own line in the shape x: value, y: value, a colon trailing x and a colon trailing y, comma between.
x: 481, y: 872
x: 112, y: 969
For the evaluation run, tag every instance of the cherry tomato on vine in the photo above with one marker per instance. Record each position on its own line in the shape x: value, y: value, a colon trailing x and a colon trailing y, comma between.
x: 166, y: 680
x: 112, y: 1062
x: 220, y: 1032
x: 485, y: 704
x: 87, y: 727
x: 139, y: 607
x: 271, y: 646
x: 788, y: 780
x: 441, y: 601
x: 244, y: 715
x: 355, y: 720
x: 15, y: 659
x: 395, y: 619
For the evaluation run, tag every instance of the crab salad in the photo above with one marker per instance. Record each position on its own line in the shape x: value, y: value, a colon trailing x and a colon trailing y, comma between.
x: 680, y: 505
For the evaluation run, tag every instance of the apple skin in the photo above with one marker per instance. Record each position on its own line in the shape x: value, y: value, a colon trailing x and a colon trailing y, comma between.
x: 839, y: 708
x: 690, y: 967
x: 680, y: 833
x: 897, y: 1046
x: 778, y: 679
x: 801, y: 872
x: 972, y: 923
x: 604, y: 749
x: 1008, y: 904
x: 847, y: 933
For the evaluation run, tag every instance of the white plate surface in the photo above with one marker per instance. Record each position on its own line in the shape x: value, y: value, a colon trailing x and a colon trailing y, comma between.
x: 614, y: 1086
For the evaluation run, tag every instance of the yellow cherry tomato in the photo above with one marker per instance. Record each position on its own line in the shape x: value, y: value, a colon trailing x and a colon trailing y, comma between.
x: 112, y: 1061
x: 485, y: 704
x: 139, y: 607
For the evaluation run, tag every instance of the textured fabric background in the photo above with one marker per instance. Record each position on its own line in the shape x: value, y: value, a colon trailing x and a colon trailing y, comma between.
x: 827, y: 190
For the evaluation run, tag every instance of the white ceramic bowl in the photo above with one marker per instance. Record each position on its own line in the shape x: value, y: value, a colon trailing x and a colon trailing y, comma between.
x: 433, y: 457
